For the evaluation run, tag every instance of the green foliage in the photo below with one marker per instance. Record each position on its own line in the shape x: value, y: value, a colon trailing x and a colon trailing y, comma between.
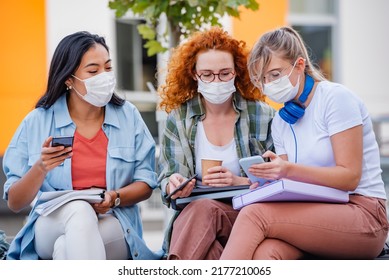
x: 183, y: 17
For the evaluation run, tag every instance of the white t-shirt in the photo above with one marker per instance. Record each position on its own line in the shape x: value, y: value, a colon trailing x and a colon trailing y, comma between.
x: 205, y: 149
x: 333, y: 109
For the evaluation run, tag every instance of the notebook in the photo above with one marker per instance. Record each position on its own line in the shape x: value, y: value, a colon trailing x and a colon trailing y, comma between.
x: 50, y: 201
x: 288, y: 190
x: 219, y: 193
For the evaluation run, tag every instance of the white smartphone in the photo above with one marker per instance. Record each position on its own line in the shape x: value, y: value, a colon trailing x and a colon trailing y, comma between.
x: 247, y: 162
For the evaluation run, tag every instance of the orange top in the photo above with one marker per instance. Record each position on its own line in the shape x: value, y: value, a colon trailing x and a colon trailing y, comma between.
x: 89, y: 161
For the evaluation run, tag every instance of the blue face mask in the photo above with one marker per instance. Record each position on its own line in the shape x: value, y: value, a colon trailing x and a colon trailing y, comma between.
x: 216, y: 92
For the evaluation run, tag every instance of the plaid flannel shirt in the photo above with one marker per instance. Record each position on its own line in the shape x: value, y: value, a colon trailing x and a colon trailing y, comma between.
x: 252, y: 136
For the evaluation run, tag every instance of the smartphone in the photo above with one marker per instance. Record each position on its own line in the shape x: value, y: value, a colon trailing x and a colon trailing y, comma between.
x: 181, y: 186
x: 66, y: 141
x: 247, y: 162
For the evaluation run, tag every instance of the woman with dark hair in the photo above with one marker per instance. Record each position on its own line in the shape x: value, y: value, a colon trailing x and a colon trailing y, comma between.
x: 214, y: 111
x: 112, y: 150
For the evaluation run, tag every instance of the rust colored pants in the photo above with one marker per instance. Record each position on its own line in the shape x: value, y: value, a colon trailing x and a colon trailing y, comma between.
x: 201, y: 230
x: 288, y: 230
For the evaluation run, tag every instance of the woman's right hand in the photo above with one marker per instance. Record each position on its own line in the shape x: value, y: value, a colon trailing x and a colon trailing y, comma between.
x: 24, y: 190
x: 174, y: 181
x: 51, y: 157
x: 276, y: 169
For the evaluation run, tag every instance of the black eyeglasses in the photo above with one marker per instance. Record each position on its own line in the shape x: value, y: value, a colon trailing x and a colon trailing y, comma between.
x: 224, y: 76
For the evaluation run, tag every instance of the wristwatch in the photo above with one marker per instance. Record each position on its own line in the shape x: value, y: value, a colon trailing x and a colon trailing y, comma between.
x: 116, y: 202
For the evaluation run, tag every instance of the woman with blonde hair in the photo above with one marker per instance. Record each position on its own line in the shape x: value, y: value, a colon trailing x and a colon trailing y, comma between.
x: 323, y: 135
x: 214, y: 111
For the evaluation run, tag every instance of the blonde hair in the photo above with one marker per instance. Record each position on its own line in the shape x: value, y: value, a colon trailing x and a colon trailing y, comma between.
x: 284, y: 42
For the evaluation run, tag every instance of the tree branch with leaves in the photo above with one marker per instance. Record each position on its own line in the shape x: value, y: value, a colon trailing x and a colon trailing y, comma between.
x: 182, y: 17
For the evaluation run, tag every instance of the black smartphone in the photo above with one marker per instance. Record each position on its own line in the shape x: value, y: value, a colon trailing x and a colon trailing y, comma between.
x: 66, y: 141
x: 181, y: 186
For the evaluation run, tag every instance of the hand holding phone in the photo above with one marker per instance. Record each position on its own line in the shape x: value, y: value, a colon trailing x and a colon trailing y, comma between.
x: 247, y: 162
x: 181, y: 186
x: 66, y: 141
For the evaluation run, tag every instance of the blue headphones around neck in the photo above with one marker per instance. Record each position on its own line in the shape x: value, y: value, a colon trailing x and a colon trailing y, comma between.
x: 294, y: 110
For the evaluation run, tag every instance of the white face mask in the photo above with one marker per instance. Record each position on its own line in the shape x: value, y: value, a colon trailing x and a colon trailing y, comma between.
x: 99, y: 88
x: 216, y: 93
x: 281, y: 90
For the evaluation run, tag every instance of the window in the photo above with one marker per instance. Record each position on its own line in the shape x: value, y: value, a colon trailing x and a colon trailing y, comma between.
x: 318, y: 40
x: 135, y: 68
x: 321, y: 7
x: 316, y: 21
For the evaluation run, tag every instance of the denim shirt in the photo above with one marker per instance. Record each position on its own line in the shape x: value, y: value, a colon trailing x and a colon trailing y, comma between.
x: 130, y: 158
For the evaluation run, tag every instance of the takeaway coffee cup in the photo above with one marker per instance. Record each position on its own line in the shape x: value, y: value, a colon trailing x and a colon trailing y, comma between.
x: 208, y: 163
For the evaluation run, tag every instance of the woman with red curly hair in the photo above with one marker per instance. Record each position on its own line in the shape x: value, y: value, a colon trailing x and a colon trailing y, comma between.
x: 214, y: 112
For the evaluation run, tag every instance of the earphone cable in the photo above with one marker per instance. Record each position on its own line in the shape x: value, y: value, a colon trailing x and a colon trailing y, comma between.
x: 295, y: 143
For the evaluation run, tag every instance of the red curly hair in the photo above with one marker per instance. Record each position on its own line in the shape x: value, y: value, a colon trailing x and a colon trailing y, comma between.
x: 180, y: 85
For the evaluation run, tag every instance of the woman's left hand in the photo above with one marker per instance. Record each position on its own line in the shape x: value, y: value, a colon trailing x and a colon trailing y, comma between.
x: 219, y: 176
x: 104, y: 206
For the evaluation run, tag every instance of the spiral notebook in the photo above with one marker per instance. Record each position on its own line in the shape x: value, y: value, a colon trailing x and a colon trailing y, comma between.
x: 288, y: 190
